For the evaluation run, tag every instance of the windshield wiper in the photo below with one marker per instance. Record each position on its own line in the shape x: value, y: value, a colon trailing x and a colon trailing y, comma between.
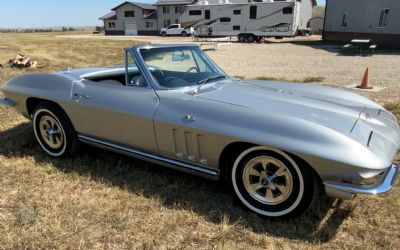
x: 211, y: 78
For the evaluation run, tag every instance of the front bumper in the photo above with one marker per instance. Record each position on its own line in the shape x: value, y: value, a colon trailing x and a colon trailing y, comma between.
x: 348, y: 191
x: 5, y: 101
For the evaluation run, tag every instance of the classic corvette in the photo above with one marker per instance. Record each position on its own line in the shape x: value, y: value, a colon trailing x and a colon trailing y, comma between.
x: 274, y: 143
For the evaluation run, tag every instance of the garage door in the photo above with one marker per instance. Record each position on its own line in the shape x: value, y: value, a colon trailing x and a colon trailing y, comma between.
x: 130, y: 29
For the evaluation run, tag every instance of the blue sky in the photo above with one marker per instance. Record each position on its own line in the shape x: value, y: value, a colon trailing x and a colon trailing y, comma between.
x: 45, y: 13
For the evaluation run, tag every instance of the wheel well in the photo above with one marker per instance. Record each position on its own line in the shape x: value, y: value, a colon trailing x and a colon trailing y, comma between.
x: 32, y: 102
x: 231, y: 151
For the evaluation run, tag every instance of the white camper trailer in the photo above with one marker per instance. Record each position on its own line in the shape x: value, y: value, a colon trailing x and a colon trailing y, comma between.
x: 249, y: 21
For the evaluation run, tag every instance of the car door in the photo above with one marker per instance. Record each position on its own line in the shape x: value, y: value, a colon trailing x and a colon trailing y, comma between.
x: 173, y: 29
x: 120, y: 114
x: 181, y: 117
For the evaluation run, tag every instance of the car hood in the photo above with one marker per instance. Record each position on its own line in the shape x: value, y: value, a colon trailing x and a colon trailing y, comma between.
x: 330, y: 107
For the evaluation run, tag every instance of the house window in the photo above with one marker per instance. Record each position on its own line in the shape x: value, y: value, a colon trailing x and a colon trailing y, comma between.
x: 236, y: 27
x: 176, y: 21
x: 168, y: 22
x: 166, y: 10
x: 225, y: 19
x: 237, y: 12
x: 384, y: 18
x: 345, y: 19
x: 111, y: 25
x: 207, y: 14
x: 194, y: 12
x: 253, y: 12
x: 149, y: 25
x: 165, y: 23
x: 181, y: 9
x: 130, y: 13
x: 176, y: 9
x: 287, y: 10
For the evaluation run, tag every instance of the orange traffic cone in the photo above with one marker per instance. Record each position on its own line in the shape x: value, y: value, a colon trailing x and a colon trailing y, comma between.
x: 365, y: 81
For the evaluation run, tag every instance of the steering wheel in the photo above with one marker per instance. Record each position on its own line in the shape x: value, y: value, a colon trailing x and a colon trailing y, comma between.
x: 190, y: 69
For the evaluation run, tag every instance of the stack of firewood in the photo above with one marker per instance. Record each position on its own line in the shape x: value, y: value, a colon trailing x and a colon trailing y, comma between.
x: 21, y: 61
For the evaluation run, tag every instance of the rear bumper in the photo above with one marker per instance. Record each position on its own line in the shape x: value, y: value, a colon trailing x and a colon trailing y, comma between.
x: 5, y: 101
x: 348, y: 191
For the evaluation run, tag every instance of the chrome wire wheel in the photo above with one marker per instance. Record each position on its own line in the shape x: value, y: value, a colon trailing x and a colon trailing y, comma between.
x: 267, y: 180
x: 51, y: 132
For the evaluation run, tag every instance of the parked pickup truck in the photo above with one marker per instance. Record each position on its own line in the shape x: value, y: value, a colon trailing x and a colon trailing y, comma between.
x: 176, y: 29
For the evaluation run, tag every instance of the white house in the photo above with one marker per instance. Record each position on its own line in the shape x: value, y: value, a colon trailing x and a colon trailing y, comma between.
x: 131, y: 18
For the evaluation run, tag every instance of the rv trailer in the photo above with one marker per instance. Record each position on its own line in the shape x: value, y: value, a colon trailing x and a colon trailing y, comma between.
x: 249, y: 21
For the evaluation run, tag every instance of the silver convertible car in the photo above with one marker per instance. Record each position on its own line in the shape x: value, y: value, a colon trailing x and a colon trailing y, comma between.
x: 274, y: 143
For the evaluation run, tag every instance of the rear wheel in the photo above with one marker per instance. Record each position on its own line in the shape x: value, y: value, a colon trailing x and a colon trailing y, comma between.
x: 54, y: 131
x: 272, y: 184
x: 250, y: 38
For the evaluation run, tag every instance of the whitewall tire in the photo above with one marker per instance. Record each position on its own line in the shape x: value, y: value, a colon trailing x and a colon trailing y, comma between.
x: 271, y: 183
x: 54, y: 131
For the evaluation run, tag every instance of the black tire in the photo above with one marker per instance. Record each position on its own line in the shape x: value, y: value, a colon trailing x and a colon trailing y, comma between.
x: 250, y: 38
x: 164, y: 34
x: 184, y: 33
x: 297, y: 199
x: 62, y: 139
x: 241, y: 38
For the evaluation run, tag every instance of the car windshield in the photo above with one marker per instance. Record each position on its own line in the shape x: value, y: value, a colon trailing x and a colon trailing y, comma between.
x: 181, y: 66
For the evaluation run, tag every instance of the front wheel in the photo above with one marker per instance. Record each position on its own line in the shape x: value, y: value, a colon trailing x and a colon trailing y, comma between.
x: 270, y: 183
x: 184, y: 33
x: 164, y: 34
x: 54, y: 131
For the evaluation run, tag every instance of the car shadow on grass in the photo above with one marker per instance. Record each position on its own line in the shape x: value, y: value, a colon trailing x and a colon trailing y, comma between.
x: 178, y: 190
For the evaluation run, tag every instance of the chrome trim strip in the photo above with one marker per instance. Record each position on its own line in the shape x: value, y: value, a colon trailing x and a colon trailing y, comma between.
x: 5, y: 101
x: 197, y: 169
x: 386, y: 185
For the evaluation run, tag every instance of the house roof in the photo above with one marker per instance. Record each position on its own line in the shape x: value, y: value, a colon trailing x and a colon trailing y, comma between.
x: 151, y: 15
x: 145, y: 6
x: 313, y: 2
x: 109, y: 16
x: 174, y: 2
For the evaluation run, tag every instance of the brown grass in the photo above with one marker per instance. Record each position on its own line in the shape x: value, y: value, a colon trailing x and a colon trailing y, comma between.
x: 104, y: 200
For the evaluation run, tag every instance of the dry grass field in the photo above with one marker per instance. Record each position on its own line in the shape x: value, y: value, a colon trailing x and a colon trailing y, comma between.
x: 102, y: 200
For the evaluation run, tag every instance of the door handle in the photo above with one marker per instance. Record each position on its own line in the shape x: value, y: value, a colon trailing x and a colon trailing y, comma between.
x: 189, y: 118
x: 79, y: 97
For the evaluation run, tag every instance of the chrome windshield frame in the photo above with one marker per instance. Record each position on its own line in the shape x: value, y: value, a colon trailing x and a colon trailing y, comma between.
x: 145, y: 69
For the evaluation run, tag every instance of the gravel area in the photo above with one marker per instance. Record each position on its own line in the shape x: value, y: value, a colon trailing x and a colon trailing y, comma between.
x: 296, y: 62
x: 296, y: 59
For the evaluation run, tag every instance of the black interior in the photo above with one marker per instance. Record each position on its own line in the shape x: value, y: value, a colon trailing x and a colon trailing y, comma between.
x: 169, y: 79
x: 120, y: 78
x: 174, y: 79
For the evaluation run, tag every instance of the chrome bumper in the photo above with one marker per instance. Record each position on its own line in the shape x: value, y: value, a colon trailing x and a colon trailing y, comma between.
x: 348, y: 191
x: 5, y: 101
